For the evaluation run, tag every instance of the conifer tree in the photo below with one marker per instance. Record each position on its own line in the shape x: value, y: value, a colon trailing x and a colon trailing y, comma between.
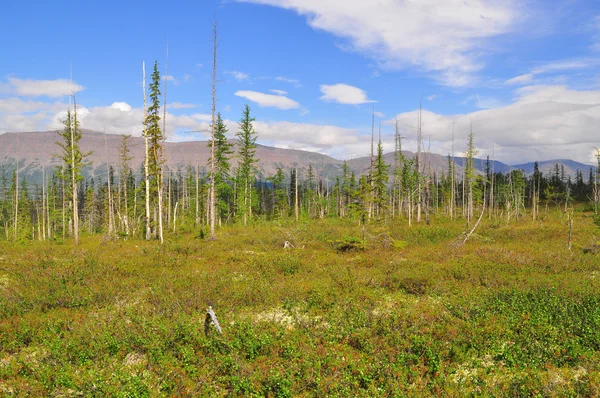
x: 155, y: 149
x: 470, y: 174
x: 73, y: 161
x: 380, y: 180
x: 223, y: 149
x: 246, y: 163
x: 125, y: 171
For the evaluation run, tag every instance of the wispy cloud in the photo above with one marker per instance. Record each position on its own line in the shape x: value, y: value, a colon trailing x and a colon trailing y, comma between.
x: 279, y: 92
x: 41, y: 88
x: 554, y: 67
x: 399, y: 33
x: 179, y: 105
x: 237, y: 75
x: 295, y: 82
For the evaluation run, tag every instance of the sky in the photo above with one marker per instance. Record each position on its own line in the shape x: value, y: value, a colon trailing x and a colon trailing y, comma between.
x: 522, y: 75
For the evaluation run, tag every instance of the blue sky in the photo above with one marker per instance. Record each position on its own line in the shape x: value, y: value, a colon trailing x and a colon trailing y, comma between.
x: 523, y: 74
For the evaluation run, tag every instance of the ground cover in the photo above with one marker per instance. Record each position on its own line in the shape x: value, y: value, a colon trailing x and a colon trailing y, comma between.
x: 386, y: 310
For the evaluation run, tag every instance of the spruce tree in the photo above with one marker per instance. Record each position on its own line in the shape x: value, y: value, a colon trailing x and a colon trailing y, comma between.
x: 246, y: 163
x: 73, y: 162
x: 470, y: 174
x: 380, y: 181
x: 155, y: 151
x: 223, y: 149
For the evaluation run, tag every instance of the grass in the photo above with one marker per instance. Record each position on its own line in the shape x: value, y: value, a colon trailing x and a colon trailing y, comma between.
x: 402, y: 313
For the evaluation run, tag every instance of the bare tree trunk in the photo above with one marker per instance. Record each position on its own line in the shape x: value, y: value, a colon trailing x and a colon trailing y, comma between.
x: 491, y: 209
x: 372, y: 171
x: 111, y: 217
x: 74, y: 181
x: 146, y: 157
x: 453, y: 180
x: 212, y: 156
x: 169, y: 218
x: 175, y: 218
x: 419, y: 143
x: 63, y: 203
x: 197, y: 194
x: 296, y: 197
x: 16, y: 220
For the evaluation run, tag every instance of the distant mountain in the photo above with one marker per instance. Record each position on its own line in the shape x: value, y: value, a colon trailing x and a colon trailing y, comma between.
x: 37, y: 151
x: 547, y: 167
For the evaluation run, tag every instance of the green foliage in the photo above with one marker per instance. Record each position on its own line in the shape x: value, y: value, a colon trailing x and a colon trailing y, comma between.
x: 246, y: 171
x: 348, y: 244
x: 223, y: 149
x: 515, y: 314
x: 153, y: 131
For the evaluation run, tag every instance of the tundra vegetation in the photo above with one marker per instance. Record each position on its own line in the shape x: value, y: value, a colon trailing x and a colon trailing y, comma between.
x: 395, y: 282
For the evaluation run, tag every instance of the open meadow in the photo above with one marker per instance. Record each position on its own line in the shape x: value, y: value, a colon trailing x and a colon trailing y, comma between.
x: 405, y: 312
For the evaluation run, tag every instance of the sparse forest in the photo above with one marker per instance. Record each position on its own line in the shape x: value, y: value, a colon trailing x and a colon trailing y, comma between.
x: 396, y: 281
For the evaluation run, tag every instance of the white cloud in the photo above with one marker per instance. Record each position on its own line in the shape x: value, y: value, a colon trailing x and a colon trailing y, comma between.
x: 279, y: 92
x: 295, y: 82
x: 121, y: 118
x: 432, y: 97
x: 521, y: 79
x: 482, y: 102
x: 379, y: 114
x: 269, y: 100
x: 239, y: 76
x: 595, y: 28
x: 543, y: 122
x: 444, y: 37
x: 326, y: 139
x: 170, y: 78
x: 554, y: 67
x: 40, y: 88
x: 15, y: 105
x: 344, y: 94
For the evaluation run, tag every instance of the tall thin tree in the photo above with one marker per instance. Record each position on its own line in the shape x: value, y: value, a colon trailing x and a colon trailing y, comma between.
x: 213, y: 126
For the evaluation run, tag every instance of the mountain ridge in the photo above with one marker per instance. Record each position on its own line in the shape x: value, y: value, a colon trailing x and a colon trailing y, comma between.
x: 37, y: 150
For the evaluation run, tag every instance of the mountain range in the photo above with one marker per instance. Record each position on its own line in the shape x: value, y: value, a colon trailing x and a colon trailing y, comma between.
x: 37, y: 152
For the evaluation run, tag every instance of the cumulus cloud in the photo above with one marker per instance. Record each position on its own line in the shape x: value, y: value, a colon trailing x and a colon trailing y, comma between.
x: 344, y: 94
x: 543, y: 122
x: 17, y: 114
x: 15, y: 105
x: 269, y: 100
x: 482, y: 102
x: 122, y: 118
x: 41, y: 88
x: 444, y: 37
x: 327, y: 139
